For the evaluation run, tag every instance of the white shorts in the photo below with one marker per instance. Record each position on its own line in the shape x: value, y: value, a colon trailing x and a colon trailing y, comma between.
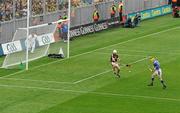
x: 157, y: 73
x: 115, y: 64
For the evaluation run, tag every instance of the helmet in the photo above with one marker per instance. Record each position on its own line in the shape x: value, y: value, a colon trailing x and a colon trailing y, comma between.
x: 114, y: 51
x: 152, y: 59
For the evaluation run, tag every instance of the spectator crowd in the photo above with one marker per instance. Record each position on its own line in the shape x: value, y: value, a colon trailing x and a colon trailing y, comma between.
x: 18, y: 8
x: 6, y: 10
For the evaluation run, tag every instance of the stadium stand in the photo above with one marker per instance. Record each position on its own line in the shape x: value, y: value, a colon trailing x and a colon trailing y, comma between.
x: 6, y: 7
x: 7, y: 12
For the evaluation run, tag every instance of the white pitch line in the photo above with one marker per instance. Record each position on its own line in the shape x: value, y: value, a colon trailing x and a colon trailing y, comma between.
x: 76, y: 82
x: 13, y: 74
x: 31, y: 80
x: 97, y: 49
x: 123, y: 54
x: 147, y: 52
x: 92, y: 92
x: 139, y: 60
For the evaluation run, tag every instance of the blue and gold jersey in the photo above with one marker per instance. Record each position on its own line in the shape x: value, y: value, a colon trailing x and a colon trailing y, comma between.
x: 156, y: 65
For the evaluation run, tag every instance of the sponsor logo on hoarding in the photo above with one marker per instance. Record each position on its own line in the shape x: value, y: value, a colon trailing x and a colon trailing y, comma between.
x: 145, y: 15
x: 11, y: 47
x: 166, y: 10
x: 90, y: 28
x: 101, y: 26
x: 45, y: 39
x: 156, y: 12
x: 86, y: 30
x: 75, y: 32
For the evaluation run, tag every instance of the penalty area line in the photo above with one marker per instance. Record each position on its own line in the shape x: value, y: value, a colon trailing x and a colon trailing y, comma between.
x: 91, y: 92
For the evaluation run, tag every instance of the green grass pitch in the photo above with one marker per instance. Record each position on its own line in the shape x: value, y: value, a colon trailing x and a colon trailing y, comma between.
x: 85, y: 83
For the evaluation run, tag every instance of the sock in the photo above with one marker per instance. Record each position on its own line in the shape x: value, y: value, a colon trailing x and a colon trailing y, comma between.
x: 114, y: 71
x: 152, y: 80
x: 162, y: 82
x: 118, y: 71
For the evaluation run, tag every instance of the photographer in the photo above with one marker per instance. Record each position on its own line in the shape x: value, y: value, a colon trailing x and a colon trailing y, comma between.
x: 132, y: 22
x: 137, y: 19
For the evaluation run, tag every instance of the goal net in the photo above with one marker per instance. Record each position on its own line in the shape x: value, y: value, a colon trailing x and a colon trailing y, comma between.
x: 40, y: 42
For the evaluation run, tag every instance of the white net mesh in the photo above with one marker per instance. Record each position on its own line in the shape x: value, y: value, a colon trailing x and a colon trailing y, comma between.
x: 39, y: 41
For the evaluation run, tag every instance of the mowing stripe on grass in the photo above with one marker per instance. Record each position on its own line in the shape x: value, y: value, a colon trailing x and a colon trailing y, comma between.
x: 31, y: 80
x: 130, y: 40
x: 107, y: 71
x: 12, y: 74
x: 91, y: 92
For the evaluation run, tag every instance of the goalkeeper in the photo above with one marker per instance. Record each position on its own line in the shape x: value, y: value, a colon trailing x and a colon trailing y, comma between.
x: 31, y: 42
x: 156, y: 72
x: 114, y: 62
